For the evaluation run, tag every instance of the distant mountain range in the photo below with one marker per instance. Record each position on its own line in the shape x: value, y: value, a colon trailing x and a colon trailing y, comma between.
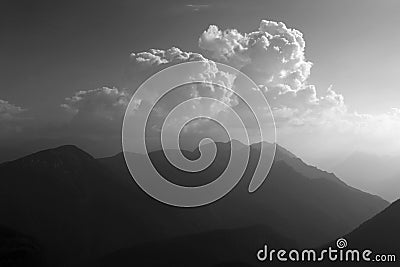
x: 372, y: 173
x: 84, y: 210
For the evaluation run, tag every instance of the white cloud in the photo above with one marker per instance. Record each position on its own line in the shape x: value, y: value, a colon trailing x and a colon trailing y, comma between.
x: 97, y: 112
x: 272, y: 55
x: 155, y: 60
x: 106, y: 103
x: 159, y: 57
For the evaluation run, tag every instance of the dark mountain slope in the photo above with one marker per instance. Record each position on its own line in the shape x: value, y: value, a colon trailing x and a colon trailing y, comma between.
x: 21, y: 250
x: 69, y: 202
x: 81, y: 208
x: 297, y: 164
x: 308, y: 210
x: 381, y: 233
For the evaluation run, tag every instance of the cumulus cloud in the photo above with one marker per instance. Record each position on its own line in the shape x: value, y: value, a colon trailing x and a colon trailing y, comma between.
x: 170, y: 56
x: 215, y: 83
x: 154, y: 60
x: 272, y: 55
x: 98, y: 113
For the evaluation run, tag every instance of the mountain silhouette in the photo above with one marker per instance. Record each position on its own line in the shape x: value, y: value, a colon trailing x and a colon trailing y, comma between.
x: 81, y: 208
x: 290, y: 203
x: 64, y: 198
x: 297, y: 164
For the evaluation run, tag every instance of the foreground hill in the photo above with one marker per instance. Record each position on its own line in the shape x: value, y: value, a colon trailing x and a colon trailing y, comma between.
x: 381, y: 233
x: 204, y: 249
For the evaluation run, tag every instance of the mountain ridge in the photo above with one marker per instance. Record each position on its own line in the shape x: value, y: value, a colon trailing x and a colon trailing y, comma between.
x: 81, y: 208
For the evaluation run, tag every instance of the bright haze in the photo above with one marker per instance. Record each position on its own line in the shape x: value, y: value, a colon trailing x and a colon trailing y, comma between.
x: 329, y: 69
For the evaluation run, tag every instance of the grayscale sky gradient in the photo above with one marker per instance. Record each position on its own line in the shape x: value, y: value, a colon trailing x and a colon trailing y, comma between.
x: 50, y: 50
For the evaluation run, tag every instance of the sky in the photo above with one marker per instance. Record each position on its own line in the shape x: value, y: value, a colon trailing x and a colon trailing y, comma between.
x: 68, y: 68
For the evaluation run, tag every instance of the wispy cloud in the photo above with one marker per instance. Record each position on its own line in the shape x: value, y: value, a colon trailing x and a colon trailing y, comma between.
x: 9, y: 111
x: 197, y: 7
x: 12, y: 118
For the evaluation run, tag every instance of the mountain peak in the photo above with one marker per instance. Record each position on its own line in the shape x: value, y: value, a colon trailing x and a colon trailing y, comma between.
x: 66, y: 148
x: 55, y: 157
x: 64, y: 151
